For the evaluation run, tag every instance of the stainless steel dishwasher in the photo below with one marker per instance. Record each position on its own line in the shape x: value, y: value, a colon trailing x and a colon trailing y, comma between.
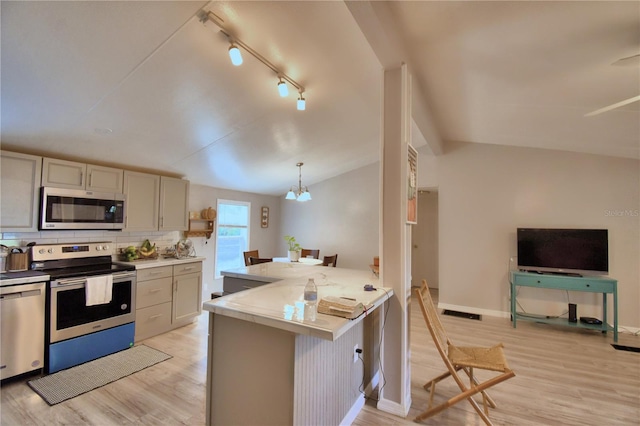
x: 22, y: 308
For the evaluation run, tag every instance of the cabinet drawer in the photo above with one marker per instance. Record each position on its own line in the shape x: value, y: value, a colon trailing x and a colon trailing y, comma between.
x: 234, y: 285
x: 187, y: 268
x: 153, y: 292
x: 153, y: 320
x: 153, y: 273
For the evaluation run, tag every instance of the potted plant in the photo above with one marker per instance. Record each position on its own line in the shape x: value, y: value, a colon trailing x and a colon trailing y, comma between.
x: 294, y: 248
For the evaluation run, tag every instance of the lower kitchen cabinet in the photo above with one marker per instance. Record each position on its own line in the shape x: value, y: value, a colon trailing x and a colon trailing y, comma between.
x: 187, y: 292
x: 167, y: 297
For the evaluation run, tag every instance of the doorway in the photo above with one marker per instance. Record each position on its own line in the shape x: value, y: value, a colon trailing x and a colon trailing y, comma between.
x: 424, y: 240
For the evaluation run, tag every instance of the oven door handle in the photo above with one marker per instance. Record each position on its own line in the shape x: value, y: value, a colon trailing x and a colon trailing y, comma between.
x: 119, y: 276
x: 69, y: 282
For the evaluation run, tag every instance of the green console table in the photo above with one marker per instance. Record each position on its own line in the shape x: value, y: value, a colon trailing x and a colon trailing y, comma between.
x: 571, y: 283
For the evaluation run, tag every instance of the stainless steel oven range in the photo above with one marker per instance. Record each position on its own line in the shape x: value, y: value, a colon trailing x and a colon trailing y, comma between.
x: 78, y: 330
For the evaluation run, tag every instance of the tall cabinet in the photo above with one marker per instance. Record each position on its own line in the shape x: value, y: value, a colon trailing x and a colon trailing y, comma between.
x: 142, y: 191
x: 156, y: 202
x: 20, y: 186
x: 174, y: 204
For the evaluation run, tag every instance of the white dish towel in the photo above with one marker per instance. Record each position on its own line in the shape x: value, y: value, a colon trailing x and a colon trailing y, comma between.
x: 98, y: 290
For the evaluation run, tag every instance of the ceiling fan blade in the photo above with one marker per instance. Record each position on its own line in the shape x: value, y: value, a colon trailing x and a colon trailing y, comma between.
x: 613, y: 106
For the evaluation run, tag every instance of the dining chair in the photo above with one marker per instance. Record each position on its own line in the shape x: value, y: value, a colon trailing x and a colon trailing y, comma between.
x: 248, y: 254
x: 330, y: 260
x: 257, y: 260
x: 457, y: 358
x: 310, y: 252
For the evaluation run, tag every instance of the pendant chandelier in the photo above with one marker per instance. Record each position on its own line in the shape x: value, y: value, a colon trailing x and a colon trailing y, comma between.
x: 298, y: 193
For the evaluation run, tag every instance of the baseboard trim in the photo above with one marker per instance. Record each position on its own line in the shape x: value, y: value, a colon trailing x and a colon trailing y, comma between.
x: 353, y: 412
x: 501, y: 314
x: 474, y: 310
x: 393, y: 407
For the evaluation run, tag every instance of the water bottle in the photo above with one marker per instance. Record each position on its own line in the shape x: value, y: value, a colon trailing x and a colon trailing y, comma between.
x: 310, y: 300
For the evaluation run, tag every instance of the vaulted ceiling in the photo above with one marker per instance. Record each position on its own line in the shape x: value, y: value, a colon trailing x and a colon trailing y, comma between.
x: 147, y: 85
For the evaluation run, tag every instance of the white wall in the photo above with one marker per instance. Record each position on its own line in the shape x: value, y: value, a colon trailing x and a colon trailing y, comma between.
x: 341, y: 218
x: 487, y: 191
x: 265, y: 240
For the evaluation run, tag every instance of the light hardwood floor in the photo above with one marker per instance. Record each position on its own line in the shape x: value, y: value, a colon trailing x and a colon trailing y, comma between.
x: 563, y: 376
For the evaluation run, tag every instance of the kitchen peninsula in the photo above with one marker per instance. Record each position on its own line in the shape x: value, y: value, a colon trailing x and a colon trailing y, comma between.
x: 266, y: 365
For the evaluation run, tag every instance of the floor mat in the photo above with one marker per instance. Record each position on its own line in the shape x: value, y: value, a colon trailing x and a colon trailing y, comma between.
x: 74, y: 381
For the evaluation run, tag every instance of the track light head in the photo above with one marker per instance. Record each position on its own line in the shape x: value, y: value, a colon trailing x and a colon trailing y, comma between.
x: 302, y: 103
x: 282, y: 88
x: 235, y: 55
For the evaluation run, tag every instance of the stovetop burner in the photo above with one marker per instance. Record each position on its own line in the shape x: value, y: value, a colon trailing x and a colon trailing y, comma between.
x: 75, y: 260
x: 87, y: 270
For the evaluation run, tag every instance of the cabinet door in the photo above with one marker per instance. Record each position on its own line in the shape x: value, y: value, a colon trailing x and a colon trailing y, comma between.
x: 142, y: 191
x: 63, y: 173
x: 174, y: 204
x: 187, y: 298
x: 104, y: 179
x: 20, y: 186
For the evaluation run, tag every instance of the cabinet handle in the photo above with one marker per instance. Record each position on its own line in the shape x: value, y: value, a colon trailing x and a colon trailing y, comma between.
x: 188, y: 268
x: 152, y: 317
x: 155, y: 290
x: 81, y: 178
x: 90, y: 179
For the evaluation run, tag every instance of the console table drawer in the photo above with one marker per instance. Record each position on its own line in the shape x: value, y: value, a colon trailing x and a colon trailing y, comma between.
x: 565, y: 283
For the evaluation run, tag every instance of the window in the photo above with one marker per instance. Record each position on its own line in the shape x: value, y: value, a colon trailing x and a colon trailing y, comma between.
x: 232, y: 234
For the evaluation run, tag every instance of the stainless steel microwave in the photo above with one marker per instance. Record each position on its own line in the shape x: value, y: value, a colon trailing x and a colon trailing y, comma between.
x: 79, y: 209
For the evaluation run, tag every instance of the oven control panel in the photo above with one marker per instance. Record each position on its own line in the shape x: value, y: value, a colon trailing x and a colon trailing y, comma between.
x: 70, y: 250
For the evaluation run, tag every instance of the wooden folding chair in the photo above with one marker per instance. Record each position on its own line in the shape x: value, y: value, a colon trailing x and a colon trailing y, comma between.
x: 461, y: 358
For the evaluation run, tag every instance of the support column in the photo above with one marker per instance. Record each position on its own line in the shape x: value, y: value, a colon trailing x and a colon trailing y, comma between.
x: 395, y: 241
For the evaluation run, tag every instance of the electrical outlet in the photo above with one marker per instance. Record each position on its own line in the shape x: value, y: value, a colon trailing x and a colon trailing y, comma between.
x: 355, y: 354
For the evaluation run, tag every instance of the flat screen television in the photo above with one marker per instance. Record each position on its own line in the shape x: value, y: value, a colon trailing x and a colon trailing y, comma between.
x: 564, y: 251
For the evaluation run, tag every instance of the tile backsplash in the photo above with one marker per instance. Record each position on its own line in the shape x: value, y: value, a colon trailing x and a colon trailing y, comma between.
x: 118, y: 240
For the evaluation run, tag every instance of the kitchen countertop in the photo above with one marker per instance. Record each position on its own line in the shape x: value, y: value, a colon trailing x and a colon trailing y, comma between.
x: 160, y: 261
x: 22, y: 277
x: 274, y: 304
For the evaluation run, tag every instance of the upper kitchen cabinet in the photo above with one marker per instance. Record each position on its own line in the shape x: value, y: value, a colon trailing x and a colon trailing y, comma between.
x: 142, y: 192
x: 20, y: 186
x: 104, y: 179
x: 174, y: 204
x: 73, y: 175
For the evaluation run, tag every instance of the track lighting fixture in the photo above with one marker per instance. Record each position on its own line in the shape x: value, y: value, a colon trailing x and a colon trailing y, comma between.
x: 298, y: 193
x: 282, y: 88
x: 236, y: 59
x: 235, y: 55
